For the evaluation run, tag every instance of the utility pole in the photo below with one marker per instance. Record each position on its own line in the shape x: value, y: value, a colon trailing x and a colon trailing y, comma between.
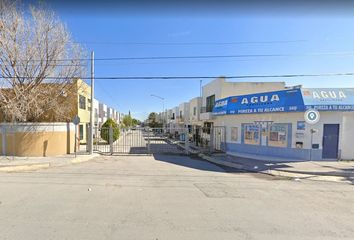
x: 92, y: 97
x: 163, y: 107
x: 163, y: 114
x: 200, y: 87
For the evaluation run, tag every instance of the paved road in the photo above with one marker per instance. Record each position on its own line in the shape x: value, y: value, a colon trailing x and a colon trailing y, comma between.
x: 141, y: 197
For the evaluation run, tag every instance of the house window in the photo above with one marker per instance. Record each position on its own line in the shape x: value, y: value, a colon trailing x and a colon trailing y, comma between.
x: 81, y: 131
x: 82, y: 102
x: 210, y: 102
x: 251, y: 134
x: 207, y: 127
x: 180, y: 114
x: 195, y: 111
x: 173, y: 116
x: 278, y: 135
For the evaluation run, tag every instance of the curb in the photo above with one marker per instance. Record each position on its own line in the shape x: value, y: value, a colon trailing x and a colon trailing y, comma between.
x: 38, y: 166
x: 225, y: 163
x: 278, y: 173
x: 327, y: 178
x: 24, y: 168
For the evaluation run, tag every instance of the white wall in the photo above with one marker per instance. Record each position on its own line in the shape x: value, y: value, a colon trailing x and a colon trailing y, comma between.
x: 347, y: 143
x: 214, y: 87
x: 96, y: 111
x: 195, y: 102
x: 184, y: 108
x: 222, y: 89
x: 243, y: 88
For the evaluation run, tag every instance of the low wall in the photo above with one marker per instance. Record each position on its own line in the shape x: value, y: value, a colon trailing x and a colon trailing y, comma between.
x: 268, y: 151
x: 36, y: 139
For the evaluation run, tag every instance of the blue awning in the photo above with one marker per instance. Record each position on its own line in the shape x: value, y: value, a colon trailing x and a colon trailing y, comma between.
x: 294, y: 100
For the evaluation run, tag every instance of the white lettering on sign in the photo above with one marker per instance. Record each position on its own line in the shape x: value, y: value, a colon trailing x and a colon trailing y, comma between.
x: 262, y: 99
x: 221, y: 103
x: 328, y: 94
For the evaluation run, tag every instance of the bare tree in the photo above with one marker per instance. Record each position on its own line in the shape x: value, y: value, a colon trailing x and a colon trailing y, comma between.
x: 39, y: 63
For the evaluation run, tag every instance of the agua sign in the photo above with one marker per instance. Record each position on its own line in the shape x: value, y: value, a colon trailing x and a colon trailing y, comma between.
x: 325, y: 94
x: 293, y: 100
x: 277, y: 101
x: 261, y: 99
x: 329, y: 99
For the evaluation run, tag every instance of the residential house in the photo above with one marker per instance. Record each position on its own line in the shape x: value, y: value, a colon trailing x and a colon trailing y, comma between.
x: 220, y: 88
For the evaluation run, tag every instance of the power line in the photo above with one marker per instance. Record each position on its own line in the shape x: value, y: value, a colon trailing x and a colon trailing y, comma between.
x: 198, y: 77
x: 191, y: 43
x: 206, y: 56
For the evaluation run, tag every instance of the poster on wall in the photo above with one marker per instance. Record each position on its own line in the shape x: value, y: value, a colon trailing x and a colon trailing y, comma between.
x: 278, y: 135
x: 301, y: 125
x: 299, y: 135
x: 234, y: 134
x: 252, y: 134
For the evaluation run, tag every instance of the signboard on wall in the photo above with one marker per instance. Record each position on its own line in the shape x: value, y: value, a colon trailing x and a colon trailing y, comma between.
x: 294, y: 100
x: 329, y: 99
x: 301, y: 125
x: 278, y: 101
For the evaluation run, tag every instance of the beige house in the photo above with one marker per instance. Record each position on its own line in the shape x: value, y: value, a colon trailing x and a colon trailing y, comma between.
x: 220, y: 88
x: 195, y: 106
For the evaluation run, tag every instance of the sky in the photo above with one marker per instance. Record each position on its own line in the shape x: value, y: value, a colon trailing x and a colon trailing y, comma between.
x: 316, y: 43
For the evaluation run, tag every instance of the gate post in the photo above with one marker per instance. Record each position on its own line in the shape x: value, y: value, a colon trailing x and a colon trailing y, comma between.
x: 224, y: 143
x: 186, y: 139
x: 148, y: 144
x: 88, y: 143
x: 3, y: 135
x: 111, y: 139
x: 211, y: 142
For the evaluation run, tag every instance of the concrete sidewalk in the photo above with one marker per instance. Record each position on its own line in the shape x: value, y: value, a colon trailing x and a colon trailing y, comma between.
x: 338, y: 171
x: 19, y: 164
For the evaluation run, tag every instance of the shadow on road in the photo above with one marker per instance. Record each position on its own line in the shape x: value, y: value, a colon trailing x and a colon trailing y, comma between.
x: 195, y: 163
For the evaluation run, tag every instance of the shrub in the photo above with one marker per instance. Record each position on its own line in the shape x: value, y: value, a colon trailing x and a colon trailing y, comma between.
x: 105, y: 130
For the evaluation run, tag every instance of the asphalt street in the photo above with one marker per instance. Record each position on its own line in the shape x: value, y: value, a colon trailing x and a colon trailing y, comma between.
x: 169, y: 197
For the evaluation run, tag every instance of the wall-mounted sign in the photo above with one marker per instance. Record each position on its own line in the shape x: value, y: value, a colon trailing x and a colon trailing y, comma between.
x: 329, y: 99
x: 294, y: 100
x: 301, y: 125
x: 300, y: 135
x: 278, y: 101
x: 76, y: 120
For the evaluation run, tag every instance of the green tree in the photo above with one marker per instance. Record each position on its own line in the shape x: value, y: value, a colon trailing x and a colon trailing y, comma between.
x: 152, y: 121
x: 136, y: 122
x: 127, y: 121
x: 105, y: 130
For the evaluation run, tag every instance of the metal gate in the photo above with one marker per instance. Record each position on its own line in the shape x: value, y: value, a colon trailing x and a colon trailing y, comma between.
x: 159, y: 140
x: 208, y: 139
x: 135, y: 141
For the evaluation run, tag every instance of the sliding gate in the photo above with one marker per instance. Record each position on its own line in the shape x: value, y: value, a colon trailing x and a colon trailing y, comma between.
x: 159, y: 140
x: 135, y: 141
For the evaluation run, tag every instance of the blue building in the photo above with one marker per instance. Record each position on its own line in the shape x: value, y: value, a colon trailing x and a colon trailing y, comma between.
x: 272, y: 124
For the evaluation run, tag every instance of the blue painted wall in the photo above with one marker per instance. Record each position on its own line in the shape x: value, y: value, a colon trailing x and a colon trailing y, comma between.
x: 288, y: 152
x: 284, y: 152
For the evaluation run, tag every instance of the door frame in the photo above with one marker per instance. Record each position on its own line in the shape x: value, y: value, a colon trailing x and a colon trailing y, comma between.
x: 323, y: 141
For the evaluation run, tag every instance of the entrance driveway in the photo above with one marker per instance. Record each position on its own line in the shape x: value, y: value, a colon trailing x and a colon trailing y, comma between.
x: 169, y: 197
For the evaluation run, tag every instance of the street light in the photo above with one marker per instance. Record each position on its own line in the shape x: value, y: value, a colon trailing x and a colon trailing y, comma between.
x: 163, y: 106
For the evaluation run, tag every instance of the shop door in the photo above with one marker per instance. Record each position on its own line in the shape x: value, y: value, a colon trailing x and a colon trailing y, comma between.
x: 330, y: 141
